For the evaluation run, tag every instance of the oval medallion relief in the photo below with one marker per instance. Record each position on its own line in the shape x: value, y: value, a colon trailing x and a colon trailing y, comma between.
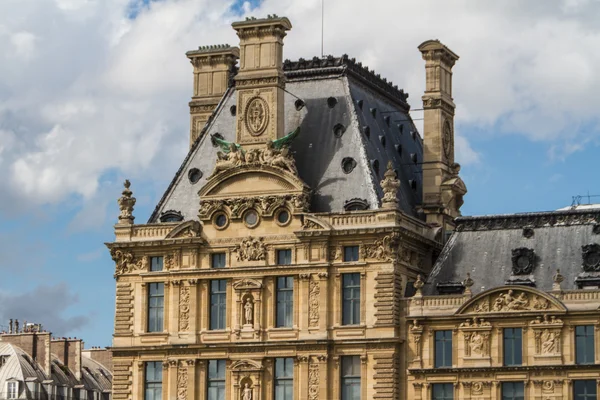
x: 257, y: 116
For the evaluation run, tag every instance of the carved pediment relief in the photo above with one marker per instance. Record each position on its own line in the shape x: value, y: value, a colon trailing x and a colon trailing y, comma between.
x: 314, y: 224
x: 511, y: 299
x: 187, y: 229
x: 247, y: 365
x: 247, y: 284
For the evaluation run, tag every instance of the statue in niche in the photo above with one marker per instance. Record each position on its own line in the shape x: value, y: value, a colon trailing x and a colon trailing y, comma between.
x: 248, y: 311
x: 548, y: 342
x: 247, y: 392
x: 476, y: 344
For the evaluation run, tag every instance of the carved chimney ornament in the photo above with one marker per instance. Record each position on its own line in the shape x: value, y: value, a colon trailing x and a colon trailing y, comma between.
x: 126, y: 203
x: 390, y: 185
x: 557, y: 278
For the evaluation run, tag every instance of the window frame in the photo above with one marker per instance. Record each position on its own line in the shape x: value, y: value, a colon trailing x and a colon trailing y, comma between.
x: 505, y: 347
x: 285, y: 253
x: 444, y: 342
x: 514, y: 384
x: 445, y: 386
x: 287, y: 304
x: 153, y: 310
x: 587, y: 337
x: 352, y: 290
x: 286, y: 379
x: 353, y: 251
x: 161, y: 263
x: 215, y: 256
x: 219, y: 380
x: 219, y: 306
x: 154, y: 382
x: 14, y: 392
x: 350, y: 380
x: 585, y: 396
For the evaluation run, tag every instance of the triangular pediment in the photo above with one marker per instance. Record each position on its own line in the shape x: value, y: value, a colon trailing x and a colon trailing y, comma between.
x: 186, y: 229
x: 509, y: 299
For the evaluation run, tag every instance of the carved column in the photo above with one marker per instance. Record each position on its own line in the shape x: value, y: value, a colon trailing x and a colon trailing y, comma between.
x: 324, y: 321
x: 323, y: 377
x: 200, y: 388
x: 302, y: 363
x: 195, y: 308
x: 302, y: 296
x: 364, y: 364
x: 192, y: 389
x: 335, y: 382
x: 337, y: 300
x: 172, y: 380
x: 139, y: 378
x: 204, y: 299
x: 363, y: 298
x: 143, y: 308
x: 166, y: 306
x: 418, y: 390
x: 172, y: 323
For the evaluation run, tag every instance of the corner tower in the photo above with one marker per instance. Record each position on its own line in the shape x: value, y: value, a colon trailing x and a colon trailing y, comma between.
x: 260, y: 82
x: 442, y: 188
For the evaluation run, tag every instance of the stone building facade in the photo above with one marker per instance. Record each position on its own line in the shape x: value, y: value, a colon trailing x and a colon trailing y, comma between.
x: 276, y: 262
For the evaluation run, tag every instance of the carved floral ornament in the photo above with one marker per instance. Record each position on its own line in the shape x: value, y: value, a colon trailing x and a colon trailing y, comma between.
x: 510, y: 299
x: 264, y: 205
x: 126, y: 262
x: 384, y: 249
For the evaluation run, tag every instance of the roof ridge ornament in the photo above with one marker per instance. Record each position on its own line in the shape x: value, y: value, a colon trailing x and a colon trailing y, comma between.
x: 390, y: 185
x: 126, y: 203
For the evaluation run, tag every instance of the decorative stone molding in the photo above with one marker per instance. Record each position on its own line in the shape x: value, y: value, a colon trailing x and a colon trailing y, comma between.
x: 388, y: 292
x: 265, y: 205
x: 313, y: 381
x: 182, y: 382
x: 531, y: 220
x: 124, y: 309
x: 476, y: 334
x: 314, y: 294
x: 126, y: 262
x: 184, y: 308
x: 547, y: 333
x: 188, y: 229
x: 384, y: 249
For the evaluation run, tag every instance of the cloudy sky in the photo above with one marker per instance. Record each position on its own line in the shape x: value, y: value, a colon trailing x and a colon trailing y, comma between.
x: 93, y: 91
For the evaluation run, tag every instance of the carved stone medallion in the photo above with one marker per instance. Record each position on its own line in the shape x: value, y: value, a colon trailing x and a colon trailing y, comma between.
x: 257, y: 116
x: 447, y: 140
x: 523, y: 261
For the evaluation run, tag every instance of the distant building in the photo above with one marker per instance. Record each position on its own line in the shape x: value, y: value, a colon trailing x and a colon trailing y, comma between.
x: 33, y: 365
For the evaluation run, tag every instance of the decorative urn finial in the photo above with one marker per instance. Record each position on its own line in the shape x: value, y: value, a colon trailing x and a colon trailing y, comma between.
x: 390, y: 185
x: 557, y: 278
x: 467, y: 283
x: 418, y: 285
x: 126, y: 203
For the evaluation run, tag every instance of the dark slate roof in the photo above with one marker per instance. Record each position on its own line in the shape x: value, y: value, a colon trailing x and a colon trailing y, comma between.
x: 482, y: 246
x: 336, y: 91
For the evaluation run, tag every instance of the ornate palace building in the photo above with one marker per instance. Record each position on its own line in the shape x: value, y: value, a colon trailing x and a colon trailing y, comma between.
x: 275, y: 264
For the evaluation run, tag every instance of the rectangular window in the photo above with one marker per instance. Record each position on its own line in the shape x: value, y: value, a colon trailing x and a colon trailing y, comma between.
x: 284, y: 257
x: 156, y: 264
x: 13, y: 390
x: 216, y: 380
x: 443, y: 349
x: 442, y: 391
x: 513, y: 391
x: 217, y: 260
x: 350, y: 299
x: 285, y: 302
x: 284, y: 379
x: 513, y: 346
x: 350, y: 253
x: 156, y: 306
x: 584, y: 344
x: 153, y: 381
x: 585, y: 390
x: 350, y: 378
x: 218, y: 303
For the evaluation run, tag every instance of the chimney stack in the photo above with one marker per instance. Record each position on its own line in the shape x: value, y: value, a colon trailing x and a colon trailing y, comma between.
x: 443, y: 190
x: 213, y: 67
x: 68, y: 352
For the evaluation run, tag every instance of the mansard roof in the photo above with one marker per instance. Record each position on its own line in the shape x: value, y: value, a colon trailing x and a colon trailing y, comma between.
x: 522, y: 249
x: 351, y: 116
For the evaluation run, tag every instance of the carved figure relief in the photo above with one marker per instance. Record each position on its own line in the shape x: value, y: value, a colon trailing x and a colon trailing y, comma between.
x: 511, y: 300
x: 309, y: 224
x: 313, y: 303
x: 127, y: 263
x: 591, y: 257
x: 313, y: 381
x: 523, y: 261
x: 182, y: 383
x: 251, y: 249
x: 382, y: 249
x: 477, y: 344
x: 257, y: 116
x: 248, y: 311
x: 247, y: 392
x: 547, y: 332
x: 184, y: 308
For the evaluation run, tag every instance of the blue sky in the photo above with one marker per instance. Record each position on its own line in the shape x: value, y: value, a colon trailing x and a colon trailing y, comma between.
x: 92, y: 92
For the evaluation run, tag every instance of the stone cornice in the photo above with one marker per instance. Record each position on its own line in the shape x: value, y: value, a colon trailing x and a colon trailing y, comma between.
x: 528, y: 220
x: 522, y: 368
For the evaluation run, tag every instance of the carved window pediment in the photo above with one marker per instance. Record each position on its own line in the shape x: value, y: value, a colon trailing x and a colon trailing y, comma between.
x: 186, y: 230
x: 247, y: 284
x: 247, y: 365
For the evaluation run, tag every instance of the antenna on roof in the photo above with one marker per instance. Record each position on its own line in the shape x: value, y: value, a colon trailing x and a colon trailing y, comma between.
x: 322, y: 25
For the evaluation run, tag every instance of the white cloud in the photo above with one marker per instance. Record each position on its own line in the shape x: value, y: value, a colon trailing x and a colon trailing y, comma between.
x: 86, y: 90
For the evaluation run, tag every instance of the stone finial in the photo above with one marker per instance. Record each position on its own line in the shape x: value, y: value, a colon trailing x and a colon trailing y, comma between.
x: 467, y: 283
x: 418, y: 285
x: 126, y: 203
x: 557, y: 278
x: 390, y: 185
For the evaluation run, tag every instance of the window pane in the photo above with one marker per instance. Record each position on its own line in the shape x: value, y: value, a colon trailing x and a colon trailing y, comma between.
x: 284, y: 257
x: 217, y: 260
x: 156, y: 264
x: 155, y: 306
x: 584, y: 390
x: 443, y: 349
x: 350, y: 253
x: 284, y: 379
x: 584, y: 344
x: 218, y: 303
x: 350, y: 299
x: 443, y: 391
x: 350, y: 375
x: 153, y: 381
x: 216, y: 380
x: 513, y: 346
x: 513, y: 391
x: 285, y: 301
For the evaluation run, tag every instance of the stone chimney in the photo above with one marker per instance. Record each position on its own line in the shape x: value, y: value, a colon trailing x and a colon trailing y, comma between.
x: 68, y: 352
x: 213, y: 67
x: 36, y: 344
x: 260, y: 80
x: 443, y: 189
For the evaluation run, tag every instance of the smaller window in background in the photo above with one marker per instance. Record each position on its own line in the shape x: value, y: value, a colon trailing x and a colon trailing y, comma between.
x: 156, y: 263
x: 217, y: 260
x: 350, y: 253
x: 284, y: 257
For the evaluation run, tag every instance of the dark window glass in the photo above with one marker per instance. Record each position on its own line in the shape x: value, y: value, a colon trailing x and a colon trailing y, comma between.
x: 283, y: 217
x: 218, y: 303
x: 156, y: 305
x: 217, y: 260
x: 350, y: 378
x: 350, y: 299
x: 216, y: 380
x: 443, y: 349
x: 221, y: 220
x: 350, y: 253
x: 284, y: 257
x: 285, y: 301
x: 513, y: 346
x: 585, y: 390
x: 513, y: 391
x: 442, y: 391
x: 284, y: 379
x: 156, y: 264
x: 153, y: 381
x: 584, y: 344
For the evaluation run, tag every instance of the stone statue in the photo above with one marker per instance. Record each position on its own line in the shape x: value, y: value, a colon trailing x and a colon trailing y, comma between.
x: 548, y: 342
x: 476, y: 344
x: 390, y: 185
x: 126, y: 203
x: 247, y: 392
x: 248, y: 311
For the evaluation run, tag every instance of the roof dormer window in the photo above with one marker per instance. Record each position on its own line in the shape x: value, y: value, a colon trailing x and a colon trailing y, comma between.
x: 12, y: 390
